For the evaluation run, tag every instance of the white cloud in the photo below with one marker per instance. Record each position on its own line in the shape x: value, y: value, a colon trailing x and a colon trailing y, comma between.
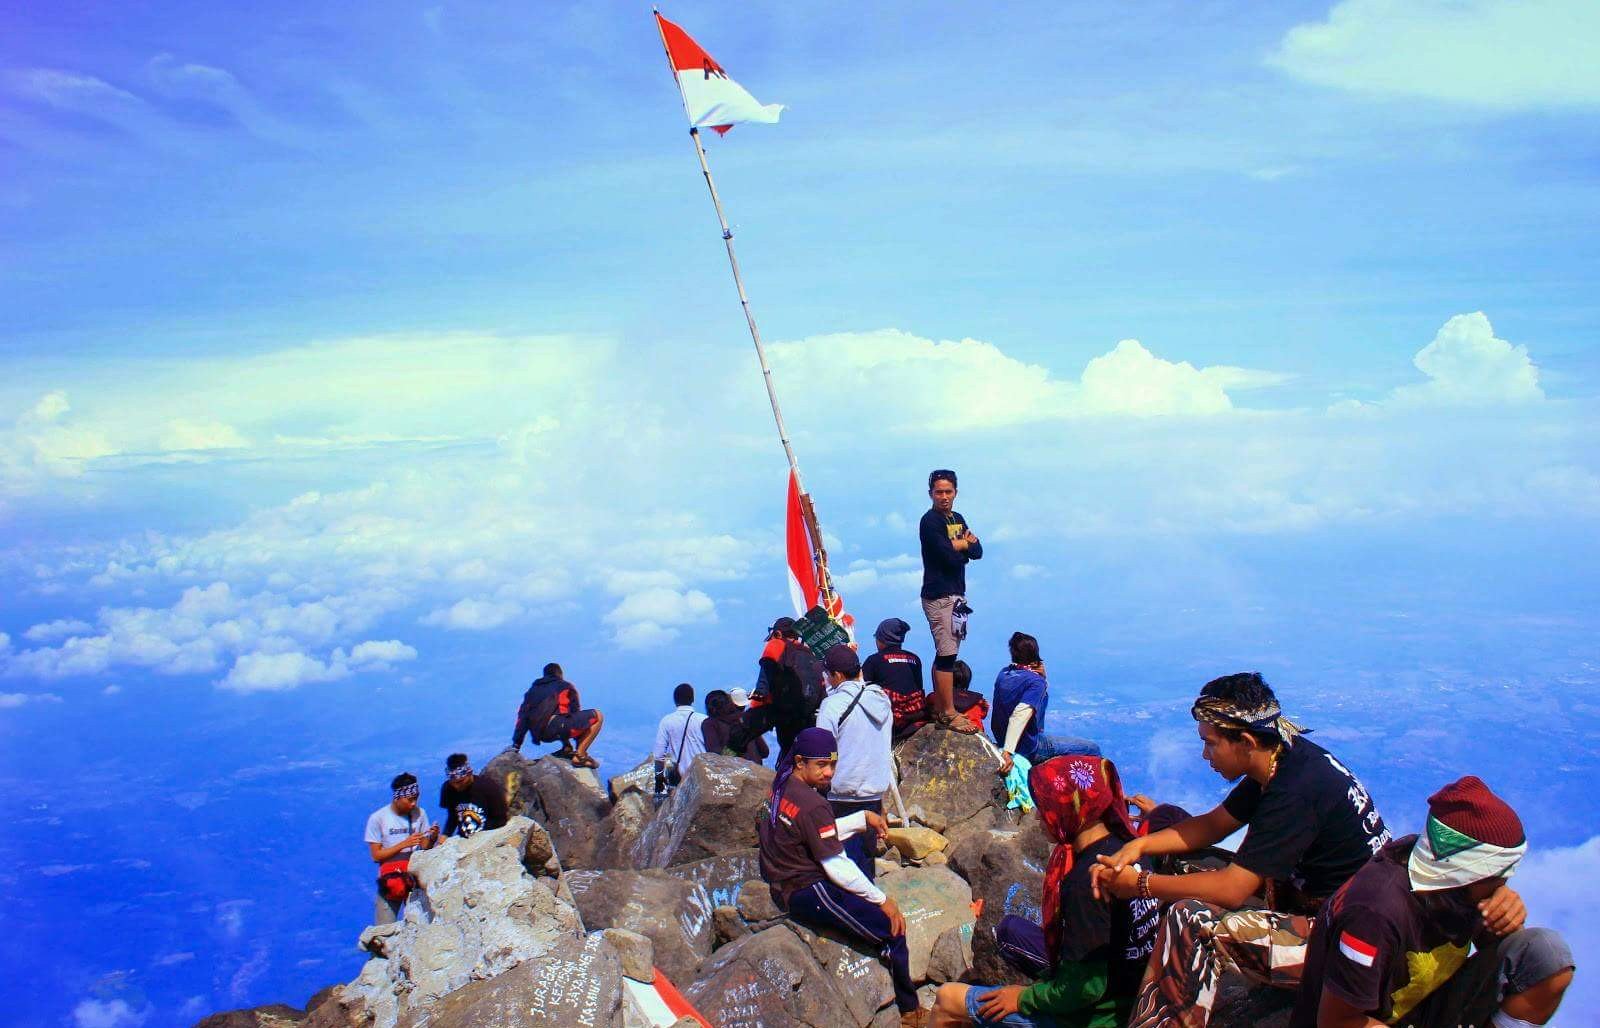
x: 1498, y: 54
x: 12, y: 700
x: 53, y: 630
x: 643, y: 635
x: 1024, y: 572
x: 201, y: 434
x: 1467, y: 364
x: 114, y: 1013
x: 111, y: 690
x: 473, y: 615
x: 1545, y: 880
x: 375, y: 654
x: 902, y: 571
x: 271, y: 672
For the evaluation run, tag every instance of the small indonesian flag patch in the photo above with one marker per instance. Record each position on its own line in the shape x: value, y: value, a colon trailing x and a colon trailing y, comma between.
x: 828, y: 831
x: 1354, y: 949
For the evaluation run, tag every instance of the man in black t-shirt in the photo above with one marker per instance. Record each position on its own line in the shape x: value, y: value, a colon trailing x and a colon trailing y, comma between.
x: 1392, y: 944
x: 471, y: 803
x: 898, y: 672
x: 948, y: 544
x: 1311, y: 826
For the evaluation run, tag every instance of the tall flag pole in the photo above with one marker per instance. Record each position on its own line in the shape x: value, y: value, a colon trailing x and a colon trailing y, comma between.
x: 713, y: 100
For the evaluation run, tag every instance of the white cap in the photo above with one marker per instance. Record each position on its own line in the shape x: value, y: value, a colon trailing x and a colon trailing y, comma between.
x: 739, y: 697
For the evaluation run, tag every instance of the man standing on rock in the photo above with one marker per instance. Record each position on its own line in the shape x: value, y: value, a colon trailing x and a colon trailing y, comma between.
x: 395, y: 831
x: 947, y: 545
x: 804, y: 863
x: 471, y: 804
x: 678, y: 740
x: 860, y: 717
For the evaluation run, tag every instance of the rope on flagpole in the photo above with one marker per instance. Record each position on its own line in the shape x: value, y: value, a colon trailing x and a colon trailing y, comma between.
x: 808, y: 511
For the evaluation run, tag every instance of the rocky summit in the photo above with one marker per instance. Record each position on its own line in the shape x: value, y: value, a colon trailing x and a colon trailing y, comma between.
x: 592, y: 903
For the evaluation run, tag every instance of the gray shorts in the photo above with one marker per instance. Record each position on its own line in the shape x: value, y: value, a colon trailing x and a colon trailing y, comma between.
x: 939, y: 613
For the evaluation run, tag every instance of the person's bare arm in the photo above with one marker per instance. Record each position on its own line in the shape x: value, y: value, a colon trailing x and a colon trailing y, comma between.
x: 1186, y: 836
x: 1228, y: 888
x: 1333, y: 1012
x: 383, y: 853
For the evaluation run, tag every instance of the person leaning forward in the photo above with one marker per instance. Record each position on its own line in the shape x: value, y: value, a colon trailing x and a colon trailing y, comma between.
x: 803, y: 861
x: 551, y: 712
x: 948, y: 544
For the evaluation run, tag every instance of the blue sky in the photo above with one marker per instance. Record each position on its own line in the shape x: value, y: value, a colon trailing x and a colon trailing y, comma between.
x: 360, y: 360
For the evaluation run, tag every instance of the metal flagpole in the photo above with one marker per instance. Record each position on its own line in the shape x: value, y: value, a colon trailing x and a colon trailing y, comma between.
x: 824, y: 580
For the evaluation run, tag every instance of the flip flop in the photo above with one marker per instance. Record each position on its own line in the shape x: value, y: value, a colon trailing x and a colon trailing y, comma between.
x: 958, y: 723
x: 584, y: 760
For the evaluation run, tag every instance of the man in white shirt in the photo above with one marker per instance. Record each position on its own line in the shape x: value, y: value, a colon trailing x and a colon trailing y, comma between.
x: 861, y: 718
x: 395, y: 831
x: 678, y: 740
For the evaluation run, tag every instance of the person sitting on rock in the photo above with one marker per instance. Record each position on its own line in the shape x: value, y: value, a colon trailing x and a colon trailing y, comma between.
x: 726, y: 731
x: 898, y: 672
x: 1088, y: 955
x: 678, y: 740
x: 789, y: 686
x: 861, y: 717
x: 804, y: 863
x: 1311, y: 826
x: 1021, y: 697
x: 1389, y: 940
x: 551, y: 712
x: 395, y: 831
x: 471, y: 803
x: 969, y: 703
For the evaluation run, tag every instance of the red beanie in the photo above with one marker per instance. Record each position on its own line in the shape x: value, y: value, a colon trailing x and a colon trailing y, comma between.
x: 1471, y: 809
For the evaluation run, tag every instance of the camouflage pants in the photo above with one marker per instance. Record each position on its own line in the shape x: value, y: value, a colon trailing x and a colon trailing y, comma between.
x: 1198, y: 942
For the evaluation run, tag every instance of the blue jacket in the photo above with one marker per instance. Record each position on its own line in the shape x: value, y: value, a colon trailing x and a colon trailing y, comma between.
x: 1016, y: 685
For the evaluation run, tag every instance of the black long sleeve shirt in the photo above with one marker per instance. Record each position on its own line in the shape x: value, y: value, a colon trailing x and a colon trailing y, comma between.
x: 944, y: 568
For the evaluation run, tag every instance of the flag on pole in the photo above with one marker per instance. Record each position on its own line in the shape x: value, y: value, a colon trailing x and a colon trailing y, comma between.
x: 802, y: 565
x: 711, y: 99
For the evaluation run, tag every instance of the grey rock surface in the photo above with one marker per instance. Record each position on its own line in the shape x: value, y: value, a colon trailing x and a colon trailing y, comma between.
x: 947, y: 778
x: 576, y: 982
x: 722, y: 877
x: 951, y: 957
x: 567, y: 801
x: 1006, y: 869
x: 767, y: 980
x: 711, y: 814
x: 932, y: 899
x: 860, y: 974
x: 636, y: 952
x: 675, y: 915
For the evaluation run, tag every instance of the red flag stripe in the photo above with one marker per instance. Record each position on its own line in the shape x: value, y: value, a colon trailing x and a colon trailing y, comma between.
x: 685, y: 53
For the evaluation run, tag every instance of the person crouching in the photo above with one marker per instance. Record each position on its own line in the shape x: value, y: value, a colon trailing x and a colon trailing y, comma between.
x: 804, y: 863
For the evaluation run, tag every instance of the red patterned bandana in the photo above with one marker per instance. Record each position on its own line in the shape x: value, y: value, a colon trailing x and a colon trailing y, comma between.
x: 1073, y: 793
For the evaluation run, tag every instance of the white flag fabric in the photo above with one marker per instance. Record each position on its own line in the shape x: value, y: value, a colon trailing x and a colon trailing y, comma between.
x: 713, y: 99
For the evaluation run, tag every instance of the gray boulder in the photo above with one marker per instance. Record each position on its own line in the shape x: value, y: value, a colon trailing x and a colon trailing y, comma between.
x: 951, y: 957
x: 274, y: 1015
x: 577, y: 982
x: 637, y: 953
x: 1006, y: 871
x: 711, y: 814
x: 675, y: 915
x: 768, y: 980
x: 947, y: 779
x: 567, y: 801
x: 933, y: 900
x: 859, y: 972
x: 721, y: 877
x: 481, y: 914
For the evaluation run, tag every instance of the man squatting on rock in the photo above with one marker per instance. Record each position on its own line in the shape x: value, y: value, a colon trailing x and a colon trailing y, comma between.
x: 947, y: 545
x: 804, y: 863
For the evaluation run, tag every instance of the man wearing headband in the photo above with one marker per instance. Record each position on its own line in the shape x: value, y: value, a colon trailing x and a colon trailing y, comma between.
x: 394, y: 831
x: 1388, y: 941
x: 1310, y: 826
x: 471, y: 803
x: 947, y: 545
x: 804, y: 863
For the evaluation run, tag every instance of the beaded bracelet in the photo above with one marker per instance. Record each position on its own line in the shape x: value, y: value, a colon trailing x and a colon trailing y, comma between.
x: 1144, y: 885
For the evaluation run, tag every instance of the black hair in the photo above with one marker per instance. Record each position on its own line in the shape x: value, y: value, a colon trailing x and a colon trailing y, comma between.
x: 1024, y: 648
x: 553, y: 670
x: 944, y: 473
x: 402, y: 780
x: 1246, y: 690
x: 454, y: 761
x: 683, y: 695
x: 962, y: 675
x: 719, y: 699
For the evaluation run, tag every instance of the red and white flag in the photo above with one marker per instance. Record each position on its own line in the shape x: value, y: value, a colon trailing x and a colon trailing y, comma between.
x: 804, y: 589
x: 712, y: 99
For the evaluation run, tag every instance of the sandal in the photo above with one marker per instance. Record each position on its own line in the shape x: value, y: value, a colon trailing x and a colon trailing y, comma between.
x: 584, y: 760
x: 958, y: 723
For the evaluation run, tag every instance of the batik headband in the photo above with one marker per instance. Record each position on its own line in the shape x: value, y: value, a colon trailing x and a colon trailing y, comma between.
x: 464, y: 771
x: 1219, y: 713
x: 1446, y: 858
x: 408, y: 792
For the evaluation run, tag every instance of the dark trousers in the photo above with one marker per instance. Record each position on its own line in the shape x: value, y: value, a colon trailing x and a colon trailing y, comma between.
x: 1021, y: 943
x: 825, y: 905
x: 859, y: 846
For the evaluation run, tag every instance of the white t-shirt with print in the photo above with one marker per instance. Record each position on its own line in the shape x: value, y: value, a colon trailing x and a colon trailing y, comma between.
x: 386, y: 828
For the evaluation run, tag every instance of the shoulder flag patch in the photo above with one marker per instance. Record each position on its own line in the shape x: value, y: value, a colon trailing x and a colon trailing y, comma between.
x: 1354, y: 949
x: 828, y: 831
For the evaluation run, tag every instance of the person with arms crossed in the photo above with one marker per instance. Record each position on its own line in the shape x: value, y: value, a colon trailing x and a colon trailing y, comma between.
x: 947, y: 546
